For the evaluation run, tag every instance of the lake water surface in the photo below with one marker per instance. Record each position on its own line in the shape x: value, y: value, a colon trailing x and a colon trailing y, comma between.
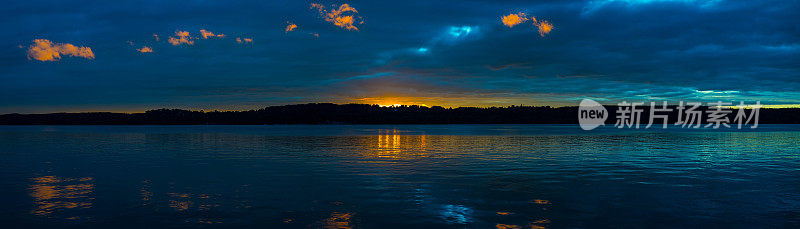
x: 405, y: 176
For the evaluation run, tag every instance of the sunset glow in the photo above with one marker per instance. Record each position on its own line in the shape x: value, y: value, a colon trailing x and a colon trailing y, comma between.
x: 400, y: 114
x: 391, y: 101
x: 472, y: 56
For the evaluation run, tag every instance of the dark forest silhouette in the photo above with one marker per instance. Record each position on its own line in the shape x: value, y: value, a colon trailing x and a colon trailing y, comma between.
x: 328, y: 113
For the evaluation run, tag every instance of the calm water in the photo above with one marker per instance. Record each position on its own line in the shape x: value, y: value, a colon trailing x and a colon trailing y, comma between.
x: 451, y: 176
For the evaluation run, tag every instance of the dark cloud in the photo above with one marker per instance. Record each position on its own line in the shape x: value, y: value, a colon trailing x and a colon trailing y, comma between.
x: 456, y: 51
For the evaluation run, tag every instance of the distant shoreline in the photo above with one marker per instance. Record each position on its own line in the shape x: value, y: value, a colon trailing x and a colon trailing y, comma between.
x: 328, y: 113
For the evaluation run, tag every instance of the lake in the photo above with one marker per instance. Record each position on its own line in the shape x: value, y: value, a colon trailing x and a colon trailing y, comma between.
x: 402, y: 176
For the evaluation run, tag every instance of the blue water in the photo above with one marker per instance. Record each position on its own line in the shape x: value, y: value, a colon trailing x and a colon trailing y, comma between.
x: 405, y: 176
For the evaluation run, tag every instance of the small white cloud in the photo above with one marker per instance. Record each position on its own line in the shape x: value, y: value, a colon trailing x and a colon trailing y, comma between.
x: 459, y: 31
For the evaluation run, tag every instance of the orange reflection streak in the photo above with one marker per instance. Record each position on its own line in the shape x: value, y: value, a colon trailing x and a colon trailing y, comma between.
x: 205, y: 203
x: 338, y: 220
x: 180, y: 201
x: 147, y: 195
x: 390, y: 144
x: 541, y: 221
x: 46, y: 50
x: 51, y: 194
x: 538, y: 201
x: 188, y: 203
x: 208, y: 221
x: 535, y: 224
x: 506, y: 226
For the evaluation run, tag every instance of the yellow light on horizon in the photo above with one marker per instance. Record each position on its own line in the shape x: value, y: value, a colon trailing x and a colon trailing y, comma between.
x: 398, y: 105
x: 392, y: 101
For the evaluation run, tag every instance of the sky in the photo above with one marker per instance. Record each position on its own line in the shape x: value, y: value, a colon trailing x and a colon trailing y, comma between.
x: 131, y: 56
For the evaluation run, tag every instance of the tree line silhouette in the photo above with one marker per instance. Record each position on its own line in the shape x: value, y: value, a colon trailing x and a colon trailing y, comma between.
x: 329, y: 113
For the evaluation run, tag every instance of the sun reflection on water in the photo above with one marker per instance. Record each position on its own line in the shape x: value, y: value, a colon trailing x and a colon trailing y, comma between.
x: 180, y: 201
x: 339, y: 220
x: 53, y: 194
x: 507, y: 226
x: 146, y: 192
x: 379, y: 175
x: 392, y: 144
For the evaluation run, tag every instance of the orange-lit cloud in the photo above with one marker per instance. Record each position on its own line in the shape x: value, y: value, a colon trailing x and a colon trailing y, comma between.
x: 46, y: 50
x: 344, y: 16
x: 244, y: 40
x: 290, y: 27
x: 145, y: 49
x: 182, y: 37
x: 544, y: 27
x: 206, y: 34
x: 319, y: 7
x: 155, y: 36
x: 514, y: 19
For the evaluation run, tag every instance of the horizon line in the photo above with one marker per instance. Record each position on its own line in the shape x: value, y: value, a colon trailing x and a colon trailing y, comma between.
x: 763, y: 106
